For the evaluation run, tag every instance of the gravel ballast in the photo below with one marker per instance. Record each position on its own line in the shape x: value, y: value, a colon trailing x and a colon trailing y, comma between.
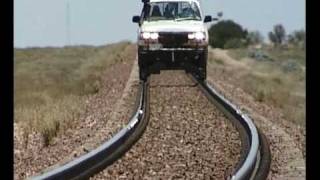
x: 187, y: 137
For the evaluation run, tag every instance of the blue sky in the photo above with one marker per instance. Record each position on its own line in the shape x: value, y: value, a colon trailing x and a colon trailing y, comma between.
x: 98, y: 22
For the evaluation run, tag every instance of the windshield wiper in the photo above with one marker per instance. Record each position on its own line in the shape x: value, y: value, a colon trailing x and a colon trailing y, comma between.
x: 186, y: 18
x: 160, y: 19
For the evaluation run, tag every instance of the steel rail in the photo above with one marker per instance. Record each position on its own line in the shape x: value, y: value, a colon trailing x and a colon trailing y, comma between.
x: 255, y: 161
x: 96, y: 160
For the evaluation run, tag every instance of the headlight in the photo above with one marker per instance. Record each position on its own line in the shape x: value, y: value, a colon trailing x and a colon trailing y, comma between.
x: 148, y: 35
x: 154, y: 36
x: 191, y: 36
x: 197, y: 36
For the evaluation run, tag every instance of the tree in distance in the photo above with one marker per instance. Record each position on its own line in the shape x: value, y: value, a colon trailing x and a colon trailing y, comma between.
x: 227, y: 34
x: 297, y: 38
x: 254, y: 38
x: 278, y: 35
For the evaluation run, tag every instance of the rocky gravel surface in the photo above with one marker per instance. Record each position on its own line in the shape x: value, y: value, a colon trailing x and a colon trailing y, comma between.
x: 287, y: 140
x: 105, y: 113
x: 187, y: 137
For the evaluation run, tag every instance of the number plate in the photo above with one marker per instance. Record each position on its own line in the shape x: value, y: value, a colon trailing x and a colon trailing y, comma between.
x: 155, y: 46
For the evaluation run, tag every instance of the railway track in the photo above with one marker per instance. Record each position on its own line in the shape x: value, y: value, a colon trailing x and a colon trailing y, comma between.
x: 255, y: 156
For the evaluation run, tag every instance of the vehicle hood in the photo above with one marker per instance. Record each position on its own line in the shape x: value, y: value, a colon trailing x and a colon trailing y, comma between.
x: 173, y: 26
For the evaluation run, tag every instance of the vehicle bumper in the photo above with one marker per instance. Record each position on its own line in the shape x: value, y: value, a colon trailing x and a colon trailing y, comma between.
x: 171, y: 58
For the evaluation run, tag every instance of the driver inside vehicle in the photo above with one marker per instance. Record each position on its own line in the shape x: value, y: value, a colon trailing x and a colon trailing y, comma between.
x: 156, y: 11
x: 170, y: 10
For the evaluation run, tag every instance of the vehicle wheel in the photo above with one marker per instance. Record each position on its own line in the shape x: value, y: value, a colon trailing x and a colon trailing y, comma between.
x: 203, y: 67
x: 143, y: 75
x: 202, y: 74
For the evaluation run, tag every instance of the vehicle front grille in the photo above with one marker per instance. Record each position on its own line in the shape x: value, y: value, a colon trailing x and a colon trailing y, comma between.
x: 173, y: 40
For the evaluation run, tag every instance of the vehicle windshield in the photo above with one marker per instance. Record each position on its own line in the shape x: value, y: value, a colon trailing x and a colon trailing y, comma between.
x: 178, y: 11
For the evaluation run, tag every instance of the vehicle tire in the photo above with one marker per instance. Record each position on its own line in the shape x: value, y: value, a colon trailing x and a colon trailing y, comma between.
x: 203, y: 66
x: 143, y: 74
x: 203, y: 74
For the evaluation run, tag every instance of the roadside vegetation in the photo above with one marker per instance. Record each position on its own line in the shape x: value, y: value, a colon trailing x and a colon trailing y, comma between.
x: 50, y: 85
x: 273, y: 73
x: 280, y: 83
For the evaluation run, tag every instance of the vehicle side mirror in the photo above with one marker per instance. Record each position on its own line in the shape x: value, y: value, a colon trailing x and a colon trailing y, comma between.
x: 136, y: 19
x: 207, y: 19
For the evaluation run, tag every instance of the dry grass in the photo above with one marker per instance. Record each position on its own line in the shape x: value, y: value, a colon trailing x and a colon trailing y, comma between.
x: 280, y: 83
x: 238, y: 54
x: 50, y: 84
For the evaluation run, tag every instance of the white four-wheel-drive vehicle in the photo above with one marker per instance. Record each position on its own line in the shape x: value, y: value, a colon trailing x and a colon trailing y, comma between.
x: 172, y: 35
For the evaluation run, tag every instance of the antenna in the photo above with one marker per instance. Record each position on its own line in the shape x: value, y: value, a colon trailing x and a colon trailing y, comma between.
x: 68, y: 23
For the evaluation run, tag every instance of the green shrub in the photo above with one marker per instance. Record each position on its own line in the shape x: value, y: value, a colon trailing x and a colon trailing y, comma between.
x: 223, y: 31
x: 234, y: 43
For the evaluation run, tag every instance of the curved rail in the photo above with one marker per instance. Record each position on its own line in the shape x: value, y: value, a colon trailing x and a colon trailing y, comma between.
x: 256, y: 157
x: 94, y: 161
x: 254, y: 161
